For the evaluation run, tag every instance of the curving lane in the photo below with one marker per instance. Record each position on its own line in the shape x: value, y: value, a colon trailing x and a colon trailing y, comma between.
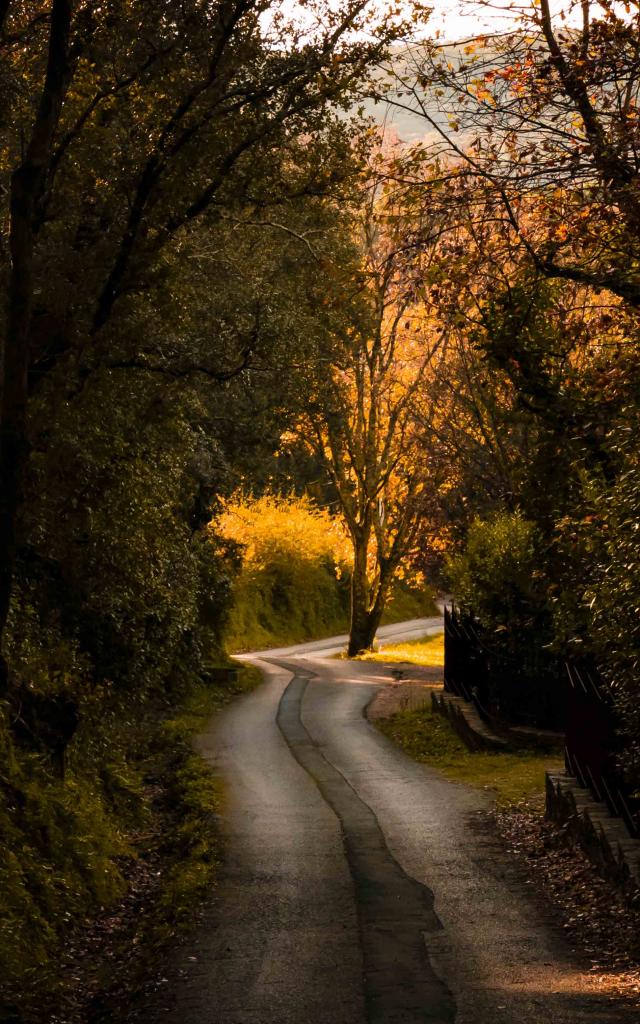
x: 360, y: 887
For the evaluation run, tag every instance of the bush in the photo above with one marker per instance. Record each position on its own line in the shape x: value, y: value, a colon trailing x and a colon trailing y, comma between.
x: 295, y: 577
x: 498, y: 578
x: 497, y: 573
x: 119, y: 596
x: 115, y: 554
x: 294, y: 581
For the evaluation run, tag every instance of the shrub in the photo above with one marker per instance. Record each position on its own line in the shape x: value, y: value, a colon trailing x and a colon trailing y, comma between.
x: 498, y: 577
x: 119, y: 596
x: 497, y: 574
x: 294, y: 581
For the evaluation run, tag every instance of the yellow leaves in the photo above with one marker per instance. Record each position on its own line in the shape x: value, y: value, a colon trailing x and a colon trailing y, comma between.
x: 272, y: 526
x: 288, y: 439
x: 561, y: 233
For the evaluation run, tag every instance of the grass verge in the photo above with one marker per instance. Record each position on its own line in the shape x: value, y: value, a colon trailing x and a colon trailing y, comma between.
x: 515, y: 778
x: 428, y: 651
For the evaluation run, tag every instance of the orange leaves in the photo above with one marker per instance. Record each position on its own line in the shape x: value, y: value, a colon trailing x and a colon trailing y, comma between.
x: 481, y: 93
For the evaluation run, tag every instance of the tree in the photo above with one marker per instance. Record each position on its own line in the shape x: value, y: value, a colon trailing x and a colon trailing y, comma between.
x: 545, y: 118
x: 523, y: 353
x: 140, y: 119
x: 536, y: 135
x: 361, y: 418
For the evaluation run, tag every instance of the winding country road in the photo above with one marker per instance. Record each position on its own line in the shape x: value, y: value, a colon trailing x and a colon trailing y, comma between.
x: 360, y: 887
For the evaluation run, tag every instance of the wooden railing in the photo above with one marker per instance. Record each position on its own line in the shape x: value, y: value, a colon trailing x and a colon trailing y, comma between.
x: 594, y: 743
x: 520, y: 683
x: 578, y: 701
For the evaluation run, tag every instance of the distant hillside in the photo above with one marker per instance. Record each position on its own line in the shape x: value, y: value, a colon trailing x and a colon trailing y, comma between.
x: 408, y: 125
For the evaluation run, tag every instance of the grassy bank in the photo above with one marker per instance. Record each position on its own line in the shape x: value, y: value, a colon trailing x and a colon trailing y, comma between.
x: 428, y: 651
x: 513, y: 777
x: 288, y: 604
x: 409, y: 602
x: 100, y: 868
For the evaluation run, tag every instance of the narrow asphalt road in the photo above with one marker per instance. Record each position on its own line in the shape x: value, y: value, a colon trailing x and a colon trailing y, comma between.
x: 358, y: 886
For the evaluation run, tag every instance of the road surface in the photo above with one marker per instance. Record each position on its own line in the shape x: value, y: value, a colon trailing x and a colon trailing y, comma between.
x: 360, y: 887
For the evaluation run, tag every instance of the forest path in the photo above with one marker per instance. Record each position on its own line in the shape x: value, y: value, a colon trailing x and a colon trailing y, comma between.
x: 360, y: 887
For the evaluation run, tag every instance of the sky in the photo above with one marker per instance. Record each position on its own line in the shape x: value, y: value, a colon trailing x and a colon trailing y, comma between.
x: 460, y: 19
x: 457, y: 19
x: 454, y: 20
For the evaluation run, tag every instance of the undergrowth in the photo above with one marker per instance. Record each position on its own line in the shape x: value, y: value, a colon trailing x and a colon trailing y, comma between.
x: 409, y: 602
x: 136, y: 802
x: 293, y: 601
x: 286, y: 602
x: 427, y: 737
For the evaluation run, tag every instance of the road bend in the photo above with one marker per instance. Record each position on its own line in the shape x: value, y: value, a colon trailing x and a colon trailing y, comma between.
x: 358, y: 886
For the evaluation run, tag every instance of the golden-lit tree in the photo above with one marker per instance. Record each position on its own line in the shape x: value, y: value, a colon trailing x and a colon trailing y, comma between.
x: 361, y: 422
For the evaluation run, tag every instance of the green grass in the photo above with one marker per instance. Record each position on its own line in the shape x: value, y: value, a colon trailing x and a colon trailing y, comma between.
x: 428, y: 651
x: 515, y: 778
x: 203, y: 701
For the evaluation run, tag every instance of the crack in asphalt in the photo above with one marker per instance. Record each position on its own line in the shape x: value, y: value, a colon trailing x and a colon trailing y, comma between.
x: 395, y: 912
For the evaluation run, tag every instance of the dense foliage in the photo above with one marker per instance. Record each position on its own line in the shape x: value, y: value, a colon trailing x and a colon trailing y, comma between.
x: 171, y: 177
x: 294, y: 583
x: 529, y: 153
x: 496, y: 573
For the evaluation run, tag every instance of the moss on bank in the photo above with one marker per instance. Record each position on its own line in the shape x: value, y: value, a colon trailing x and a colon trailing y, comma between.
x: 137, y: 810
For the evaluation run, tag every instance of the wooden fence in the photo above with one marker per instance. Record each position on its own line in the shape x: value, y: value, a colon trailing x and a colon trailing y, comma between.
x: 593, y: 743
x: 578, y: 701
x: 513, y: 681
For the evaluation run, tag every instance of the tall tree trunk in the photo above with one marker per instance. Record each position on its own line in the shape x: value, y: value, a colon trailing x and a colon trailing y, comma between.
x: 366, y: 614
x: 27, y: 184
x: 365, y: 618
x: 360, y: 637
